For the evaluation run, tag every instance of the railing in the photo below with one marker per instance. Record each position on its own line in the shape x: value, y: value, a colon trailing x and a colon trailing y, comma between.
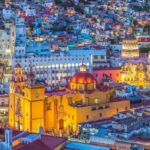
x: 19, y: 135
x: 26, y: 140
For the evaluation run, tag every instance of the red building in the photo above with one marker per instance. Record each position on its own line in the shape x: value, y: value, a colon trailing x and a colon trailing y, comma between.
x: 143, y: 39
x: 106, y: 73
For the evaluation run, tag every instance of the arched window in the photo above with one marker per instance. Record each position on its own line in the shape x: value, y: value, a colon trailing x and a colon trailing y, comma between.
x: 100, y: 114
x: 87, y: 117
x: 117, y: 110
x: 61, y: 124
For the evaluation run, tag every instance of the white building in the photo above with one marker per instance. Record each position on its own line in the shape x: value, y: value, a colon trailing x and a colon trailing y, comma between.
x: 59, y: 66
x: 49, y: 3
x: 7, y: 13
x: 20, y: 33
x: 29, y: 11
x: 7, y: 38
x: 5, y: 44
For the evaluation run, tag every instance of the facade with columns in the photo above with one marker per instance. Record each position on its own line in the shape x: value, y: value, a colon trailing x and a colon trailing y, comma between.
x: 135, y: 74
x: 130, y: 47
x: 56, y: 67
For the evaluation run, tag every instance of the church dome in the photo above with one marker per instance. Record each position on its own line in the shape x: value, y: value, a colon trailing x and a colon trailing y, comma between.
x: 82, y: 80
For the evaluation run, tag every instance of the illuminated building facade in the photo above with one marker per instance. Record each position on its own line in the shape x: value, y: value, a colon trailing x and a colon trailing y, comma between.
x: 83, y: 80
x: 31, y: 106
x: 54, y: 68
x: 130, y: 46
x: 135, y: 74
x: 6, y: 51
x: 24, y: 100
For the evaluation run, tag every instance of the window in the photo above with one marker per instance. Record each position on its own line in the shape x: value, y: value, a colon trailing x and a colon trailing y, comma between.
x: 90, y: 87
x: 102, y: 57
x: 117, y: 109
x: 93, y: 108
x: 2, y: 103
x: 80, y: 87
x: 48, y: 105
x: 72, y: 86
x: 100, y: 114
x: 87, y: 117
x: 95, y: 57
x: 96, y: 75
x: 96, y: 101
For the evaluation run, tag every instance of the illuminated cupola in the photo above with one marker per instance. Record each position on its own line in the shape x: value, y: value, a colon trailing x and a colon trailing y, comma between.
x: 83, y: 68
x: 83, y: 80
x: 130, y: 46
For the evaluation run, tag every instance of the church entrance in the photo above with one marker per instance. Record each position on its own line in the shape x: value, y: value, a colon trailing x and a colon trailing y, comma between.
x: 61, y: 124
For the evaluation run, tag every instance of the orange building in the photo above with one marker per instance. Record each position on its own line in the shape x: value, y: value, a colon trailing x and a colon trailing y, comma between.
x: 30, y: 106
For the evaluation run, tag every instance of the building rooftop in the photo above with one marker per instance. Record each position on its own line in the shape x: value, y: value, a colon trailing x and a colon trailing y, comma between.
x: 45, y: 143
x: 116, y: 99
x: 107, y: 68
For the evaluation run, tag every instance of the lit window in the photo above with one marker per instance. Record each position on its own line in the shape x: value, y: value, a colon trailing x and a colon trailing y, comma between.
x: 96, y: 101
x: 65, y: 65
x: 90, y: 87
x: 61, y: 65
x: 48, y: 105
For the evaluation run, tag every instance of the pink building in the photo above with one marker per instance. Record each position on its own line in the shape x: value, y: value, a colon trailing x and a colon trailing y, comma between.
x: 106, y: 73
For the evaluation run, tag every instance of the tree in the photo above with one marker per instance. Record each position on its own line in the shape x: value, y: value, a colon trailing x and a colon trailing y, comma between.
x: 135, y: 22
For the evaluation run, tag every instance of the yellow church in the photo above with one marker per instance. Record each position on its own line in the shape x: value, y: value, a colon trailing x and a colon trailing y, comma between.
x: 135, y: 74
x: 60, y: 112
